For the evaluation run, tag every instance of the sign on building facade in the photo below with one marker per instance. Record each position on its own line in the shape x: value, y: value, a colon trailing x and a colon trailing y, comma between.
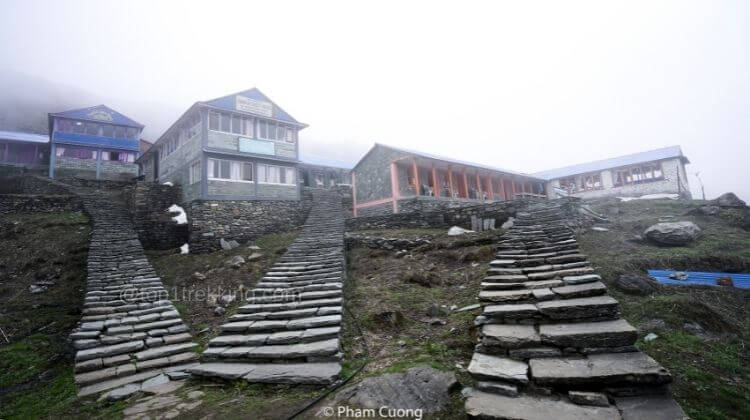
x: 245, y: 104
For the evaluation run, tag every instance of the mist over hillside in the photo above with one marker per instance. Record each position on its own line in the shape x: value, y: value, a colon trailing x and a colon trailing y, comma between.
x: 26, y: 100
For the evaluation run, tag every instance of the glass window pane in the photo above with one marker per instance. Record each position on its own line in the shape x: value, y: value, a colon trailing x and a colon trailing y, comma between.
x: 119, y: 132
x: 225, y: 122
x: 262, y: 175
x: 213, y: 120
x: 236, y: 124
x: 78, y: 127
x: 247, y: 171
x: 281, y: 133
x: 263, y: 127
x: 108, y: 130
x: 249, y: 127
x: 66, y: 126
x: 657, y: 172
x: 225, y: 168
x: 289, y: 176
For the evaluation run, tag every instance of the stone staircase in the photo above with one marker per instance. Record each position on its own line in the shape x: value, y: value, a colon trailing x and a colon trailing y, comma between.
x: 288, y: 332
x: 130, y: 331
x: 552, y: 343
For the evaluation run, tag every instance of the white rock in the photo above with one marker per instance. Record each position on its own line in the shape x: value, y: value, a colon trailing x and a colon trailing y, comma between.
x: 650, y: 337
x: 457, y: 230
x: 185, y: 249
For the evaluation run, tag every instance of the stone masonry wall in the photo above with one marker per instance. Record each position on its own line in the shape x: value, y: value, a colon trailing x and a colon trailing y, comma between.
x: 148, y: 206
x: 18, y: 203
x: 242, y: 221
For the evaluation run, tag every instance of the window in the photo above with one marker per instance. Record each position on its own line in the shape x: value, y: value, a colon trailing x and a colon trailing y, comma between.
x: 78, y: 127
x: 225, y: 123
x: 195, y: 172
x: 276, y: 174
x: 230, y: 170
x: 131, y: 132
x: 119, y: 132
x: 108, y: 130
x: 569, y: 184
x: 638, y: 174
x: 591, y: 182
x: 75, y: 152
x: 66, y: 126
x: 237, y: 125
x: 125, y: 157
x: 213, y: 120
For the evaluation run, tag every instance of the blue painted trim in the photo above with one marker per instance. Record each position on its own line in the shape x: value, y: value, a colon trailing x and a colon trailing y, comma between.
x: 89, y: 140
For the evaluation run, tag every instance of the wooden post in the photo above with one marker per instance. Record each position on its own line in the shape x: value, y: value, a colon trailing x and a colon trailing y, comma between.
x: 513, y: 187
x: 492, y: 187
x: 450, y: 180
x: 395, y: 193
x: 435, y: 186
x: 479, y: 186
x: 466, y: 184
x: 416, y: 175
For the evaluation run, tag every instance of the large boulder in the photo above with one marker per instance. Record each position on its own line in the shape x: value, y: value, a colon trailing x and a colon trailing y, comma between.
x: 728, y: 200
x: 672, y: 233
x: 419, y: 388
x: 636, y: 284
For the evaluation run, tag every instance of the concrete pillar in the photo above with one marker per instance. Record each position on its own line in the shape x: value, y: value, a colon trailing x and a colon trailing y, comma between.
x: 395, y: 193
x: 513, y: 188
x: 466, y: 184
x: 479, y: 187
x: 52, y: 158
x: 490, y: 181
x: 98, y: 162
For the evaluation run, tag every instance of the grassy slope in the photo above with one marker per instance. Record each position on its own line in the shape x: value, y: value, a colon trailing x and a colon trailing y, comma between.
x: 36, y: 368
x: 712, y: 372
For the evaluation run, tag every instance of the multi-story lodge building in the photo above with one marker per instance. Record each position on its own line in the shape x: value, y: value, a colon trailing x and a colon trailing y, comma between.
x: 95, y: 142
x: 659, y: 171
x: 238, y: 147
x: 389, y: 179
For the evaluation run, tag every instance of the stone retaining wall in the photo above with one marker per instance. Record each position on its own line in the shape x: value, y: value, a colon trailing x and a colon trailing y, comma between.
x: 460, y: 216
x: 148, y: 206
x: 19, y: 203
x: 30, y: 184
x: 211, y: 220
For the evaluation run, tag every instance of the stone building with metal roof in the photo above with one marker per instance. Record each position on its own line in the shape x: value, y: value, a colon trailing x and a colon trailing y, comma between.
x: 237, y: 147
x: 659, y: 171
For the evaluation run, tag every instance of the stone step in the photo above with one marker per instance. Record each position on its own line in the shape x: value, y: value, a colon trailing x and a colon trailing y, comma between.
x: 273, y: 307
x: 320, y: 348
x: 486, y: 406
x: 590, y: 307
x: 282, y: 324
x: 492, y: 368
x: 610, y: 369
x: 581, y: 290
x: 498, y: 296
x: 589, y: 334
x: 274, y: 373
x: 510, y: 336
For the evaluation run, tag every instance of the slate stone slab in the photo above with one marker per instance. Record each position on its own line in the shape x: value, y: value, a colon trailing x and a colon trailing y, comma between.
x: 647, y: 407
x: 487, y: 367
x: 509, y: 336
x: 591, y: 307
x: 601, y: 369
x: 483, y: 405
x: 589, y: 334
x: 422, y: 388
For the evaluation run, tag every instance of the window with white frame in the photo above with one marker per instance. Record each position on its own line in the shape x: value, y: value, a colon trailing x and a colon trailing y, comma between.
x: 268, y: 130
x: 195, y: 172
x: 271, y: 174
x: 231, y: 124
x: 230, y: 170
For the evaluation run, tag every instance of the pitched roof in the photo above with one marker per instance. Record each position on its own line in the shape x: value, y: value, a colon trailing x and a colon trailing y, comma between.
x: 616, y: 162
x: 444, y: 159
x: 98, y: 113
x: 21, y: 136
x: 229, y: 103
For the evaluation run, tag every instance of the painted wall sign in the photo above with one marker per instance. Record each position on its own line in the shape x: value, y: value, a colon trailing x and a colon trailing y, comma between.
x: 100, y: 115
x: 245, y: 104
x: 259, y: 147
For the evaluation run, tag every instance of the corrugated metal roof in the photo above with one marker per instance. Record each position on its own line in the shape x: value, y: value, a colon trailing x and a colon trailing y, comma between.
x: 616, y: 162
x: 448, y: 160
x: 99, y: 113
x: 324, y: 161
x: 702, y: 278
x: 228, y: 103
x: 27, y: 137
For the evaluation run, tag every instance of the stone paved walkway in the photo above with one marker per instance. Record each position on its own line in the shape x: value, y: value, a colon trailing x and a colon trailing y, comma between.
x: 130, y: 332
x: 289, y: 330
x: 552, y: 343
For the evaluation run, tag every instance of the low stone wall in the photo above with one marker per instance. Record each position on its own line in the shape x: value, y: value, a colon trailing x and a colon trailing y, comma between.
x: 148, y: 204
x: 21, y: 203
x: 242, y: 221
x: 460, y: 216
x: 377, y: 242
x: 424, y: 204
x: 31, y: 184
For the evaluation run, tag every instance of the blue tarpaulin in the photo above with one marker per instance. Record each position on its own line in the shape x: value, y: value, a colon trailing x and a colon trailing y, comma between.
x: 740, y: 281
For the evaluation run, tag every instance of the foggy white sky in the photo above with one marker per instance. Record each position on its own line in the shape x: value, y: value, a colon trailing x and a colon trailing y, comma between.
x: 517, y: 85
